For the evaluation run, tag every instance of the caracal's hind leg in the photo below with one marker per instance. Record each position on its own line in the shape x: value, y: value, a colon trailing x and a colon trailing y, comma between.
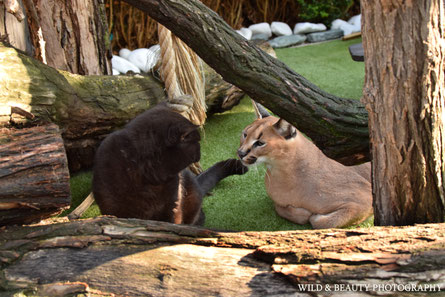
x: 294, y: 214
x: 343, y: 217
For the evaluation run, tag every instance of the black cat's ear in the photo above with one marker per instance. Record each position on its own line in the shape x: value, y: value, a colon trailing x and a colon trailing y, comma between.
x: 173, y: 135
x: 188, y: 135
x: 181, y: 132
x: 285, y: 129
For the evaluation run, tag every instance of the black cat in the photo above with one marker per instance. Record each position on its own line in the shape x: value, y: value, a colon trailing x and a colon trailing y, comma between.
x: 141, y: 170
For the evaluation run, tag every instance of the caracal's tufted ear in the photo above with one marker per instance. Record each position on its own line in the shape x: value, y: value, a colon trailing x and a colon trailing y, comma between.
x: 285, y: 129
x: 260, y: 111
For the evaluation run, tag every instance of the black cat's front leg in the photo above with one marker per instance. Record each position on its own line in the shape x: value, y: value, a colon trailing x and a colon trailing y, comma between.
x: 193, y: 189
x: 191, y: 199
x: 209, y: 178
x: 192, y: 213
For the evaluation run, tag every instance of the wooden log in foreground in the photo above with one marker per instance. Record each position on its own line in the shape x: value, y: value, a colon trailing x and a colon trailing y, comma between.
x: 34, y: 177
x: 106, y: 256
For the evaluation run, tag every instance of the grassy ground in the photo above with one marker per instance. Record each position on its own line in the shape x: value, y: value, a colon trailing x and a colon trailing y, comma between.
x: 329, y: 66
x: 240, y: 202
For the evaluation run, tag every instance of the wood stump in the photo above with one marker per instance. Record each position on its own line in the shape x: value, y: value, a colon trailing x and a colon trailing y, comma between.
x: 34, y: 177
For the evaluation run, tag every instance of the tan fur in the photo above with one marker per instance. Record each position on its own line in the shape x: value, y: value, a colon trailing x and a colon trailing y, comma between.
x: 177, y: 211
x: 304, y: 184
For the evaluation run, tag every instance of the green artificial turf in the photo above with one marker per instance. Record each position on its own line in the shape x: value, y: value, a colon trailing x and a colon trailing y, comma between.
x: 240, y: 202
x: 329, y: 66
x: 80, y: 185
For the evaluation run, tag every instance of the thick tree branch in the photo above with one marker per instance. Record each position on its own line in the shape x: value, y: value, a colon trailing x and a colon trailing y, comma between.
x: 338, y: 126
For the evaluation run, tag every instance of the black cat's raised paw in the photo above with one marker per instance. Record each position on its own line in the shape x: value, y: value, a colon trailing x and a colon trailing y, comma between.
x: 209, y: 178
x: 236, y: 166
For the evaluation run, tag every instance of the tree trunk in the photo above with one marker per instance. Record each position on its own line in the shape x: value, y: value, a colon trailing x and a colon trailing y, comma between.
x: 67, y: 35
x: 105, y: 256
x: 338, y: 126
x: 14, y: 25
x: 34, y: 177
x: 404, y: 94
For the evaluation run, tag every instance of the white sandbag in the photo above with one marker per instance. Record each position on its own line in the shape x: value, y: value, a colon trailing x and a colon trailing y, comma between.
x: 124, y: 53
x: 337, y: 24
x: 145, y: 58
x: 280, y: 29
x: 123, y: 65
x: 245, y: 32
x: 344, y: 26
x: 261, y: 28
x: 356, y: 20
x: 303, y: 28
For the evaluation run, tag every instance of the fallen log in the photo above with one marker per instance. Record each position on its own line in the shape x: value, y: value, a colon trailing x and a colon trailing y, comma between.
x: 87, y: 108
x: 105, y: 256
x: 34, y: 177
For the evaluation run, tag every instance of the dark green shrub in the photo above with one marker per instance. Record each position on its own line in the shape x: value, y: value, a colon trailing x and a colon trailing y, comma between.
x: 325, y: 11
x: 288, y: 11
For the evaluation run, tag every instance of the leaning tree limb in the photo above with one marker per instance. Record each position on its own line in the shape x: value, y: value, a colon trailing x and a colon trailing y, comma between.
x: 129, y: 257
x: 86, y: 108
x: 338, y: 126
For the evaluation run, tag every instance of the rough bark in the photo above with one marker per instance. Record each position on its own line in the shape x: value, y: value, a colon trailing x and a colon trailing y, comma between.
x: 70, y: 35
x: 338, y: 126
x: 405, y: 96
x: 14, y: 26
x: 34, y: 177
x: 105, y: 256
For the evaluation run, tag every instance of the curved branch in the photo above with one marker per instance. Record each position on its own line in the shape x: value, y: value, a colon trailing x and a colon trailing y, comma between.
x: 338, y: 126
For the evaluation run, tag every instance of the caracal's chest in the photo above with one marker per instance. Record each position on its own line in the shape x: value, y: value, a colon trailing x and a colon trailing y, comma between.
x: 285, y: 186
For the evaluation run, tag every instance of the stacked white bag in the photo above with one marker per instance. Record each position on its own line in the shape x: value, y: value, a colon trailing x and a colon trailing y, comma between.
x: 145, y: 59
x: 137, y: 61
x: 349, y: 27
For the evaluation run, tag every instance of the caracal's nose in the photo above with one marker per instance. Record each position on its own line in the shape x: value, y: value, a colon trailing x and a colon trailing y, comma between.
x: 241, y: 154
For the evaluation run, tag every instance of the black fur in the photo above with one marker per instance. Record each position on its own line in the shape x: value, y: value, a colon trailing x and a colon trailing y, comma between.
x: 139, y: 169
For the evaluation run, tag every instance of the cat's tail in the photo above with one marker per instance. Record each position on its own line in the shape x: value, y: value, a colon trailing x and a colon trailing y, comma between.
x: 209, y: 178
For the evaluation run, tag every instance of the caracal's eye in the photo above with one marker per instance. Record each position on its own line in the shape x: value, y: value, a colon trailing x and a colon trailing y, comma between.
x: 259, y: 143
x: 244, y: 135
